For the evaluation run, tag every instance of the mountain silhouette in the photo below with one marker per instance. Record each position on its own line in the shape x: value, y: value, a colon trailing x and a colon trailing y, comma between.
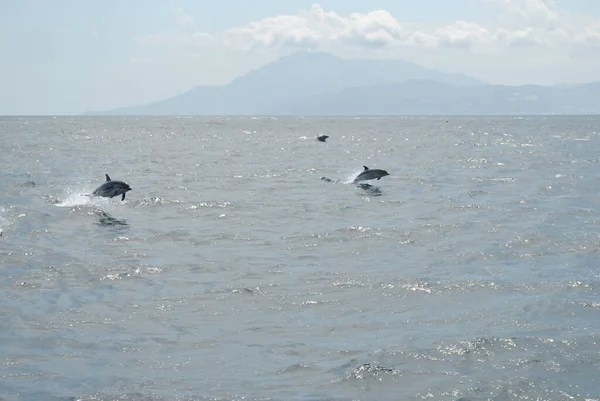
x: 316, y: 83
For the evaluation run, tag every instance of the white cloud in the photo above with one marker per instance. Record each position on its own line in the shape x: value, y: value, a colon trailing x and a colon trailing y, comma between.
x: 590, y: 35
x: 184, y: 19
x: 463, y: 34
x: 520, y: 23
x: 525, y: 13
x: 317, y: 28
x: 525, y: 34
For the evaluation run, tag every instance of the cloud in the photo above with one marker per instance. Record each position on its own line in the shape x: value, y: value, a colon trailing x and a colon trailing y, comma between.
x: 318, y: 28
x: 184, y: 19
x: 525, y: 13
x: 590, y: 35
x: 520, y: 23
x: 523, y: 34
x: 462, y: 34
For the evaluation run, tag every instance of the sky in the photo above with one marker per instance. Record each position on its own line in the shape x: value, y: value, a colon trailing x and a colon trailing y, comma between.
x: 70, y: 56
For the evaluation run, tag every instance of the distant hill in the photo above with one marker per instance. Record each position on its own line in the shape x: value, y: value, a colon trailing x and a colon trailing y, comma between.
x: 321, y: 84
x: 434, y: 98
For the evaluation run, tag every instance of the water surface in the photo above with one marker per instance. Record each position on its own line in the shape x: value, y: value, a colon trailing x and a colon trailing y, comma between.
x: 233, y: 271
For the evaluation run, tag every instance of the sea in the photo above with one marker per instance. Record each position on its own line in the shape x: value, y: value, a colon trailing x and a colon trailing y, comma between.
x: 245, y: 264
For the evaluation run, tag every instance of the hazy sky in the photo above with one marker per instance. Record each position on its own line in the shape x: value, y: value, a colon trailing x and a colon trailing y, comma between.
x: 69, y: 56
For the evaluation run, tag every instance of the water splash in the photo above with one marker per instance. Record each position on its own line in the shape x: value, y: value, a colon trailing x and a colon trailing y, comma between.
x: 4, y: 222
x: 75, y: 199
x: 350, y: 179
x: 82, y: 197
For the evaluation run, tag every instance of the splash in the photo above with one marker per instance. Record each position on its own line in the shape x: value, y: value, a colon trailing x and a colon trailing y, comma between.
x: 4, y: 222
x: 75, y: 199
x: 81, y: 197
x: 350, y: 178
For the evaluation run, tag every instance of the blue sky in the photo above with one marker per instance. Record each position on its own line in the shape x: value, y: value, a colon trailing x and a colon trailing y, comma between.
x: 70, y: 56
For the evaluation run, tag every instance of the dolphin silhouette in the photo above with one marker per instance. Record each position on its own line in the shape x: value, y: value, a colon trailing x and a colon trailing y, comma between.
x: 112, y: 188
x: 322, y: 138
x: 369, y: 174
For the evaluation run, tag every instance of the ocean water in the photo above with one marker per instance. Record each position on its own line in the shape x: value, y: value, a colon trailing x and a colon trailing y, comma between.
x: 232, y: 271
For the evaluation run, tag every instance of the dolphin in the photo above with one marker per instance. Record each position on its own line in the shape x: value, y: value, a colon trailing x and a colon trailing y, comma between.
x: 112, y: 188
x: 328, y: 179
x: 322, y: 138
x: 369, y: 174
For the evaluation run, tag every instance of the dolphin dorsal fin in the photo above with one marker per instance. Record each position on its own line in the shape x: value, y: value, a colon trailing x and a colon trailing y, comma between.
x: 107, y: 177
x: 366, y: 168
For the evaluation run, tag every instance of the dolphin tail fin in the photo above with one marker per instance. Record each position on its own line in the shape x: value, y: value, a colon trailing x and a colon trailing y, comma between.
x: 123, y: 197
x: 107, y: 177
x: 366, y: 168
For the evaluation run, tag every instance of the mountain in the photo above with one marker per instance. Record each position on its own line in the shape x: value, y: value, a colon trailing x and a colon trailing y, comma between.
x: 434, y: 98
x: 289, y: 80
x: 322, y: 84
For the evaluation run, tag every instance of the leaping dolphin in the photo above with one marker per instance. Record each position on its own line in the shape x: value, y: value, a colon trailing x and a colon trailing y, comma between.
x: 369, y: 174
x: 112, y: 188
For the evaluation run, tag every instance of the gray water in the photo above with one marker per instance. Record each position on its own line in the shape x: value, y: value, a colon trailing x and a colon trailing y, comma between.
x: 232, y: 271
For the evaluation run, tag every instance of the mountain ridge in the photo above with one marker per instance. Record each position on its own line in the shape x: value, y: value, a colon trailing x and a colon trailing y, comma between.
x: 317, y: 83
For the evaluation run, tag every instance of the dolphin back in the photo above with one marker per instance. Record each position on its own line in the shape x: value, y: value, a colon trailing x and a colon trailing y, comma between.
x: 110, y: 188
x: 369, y: 174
